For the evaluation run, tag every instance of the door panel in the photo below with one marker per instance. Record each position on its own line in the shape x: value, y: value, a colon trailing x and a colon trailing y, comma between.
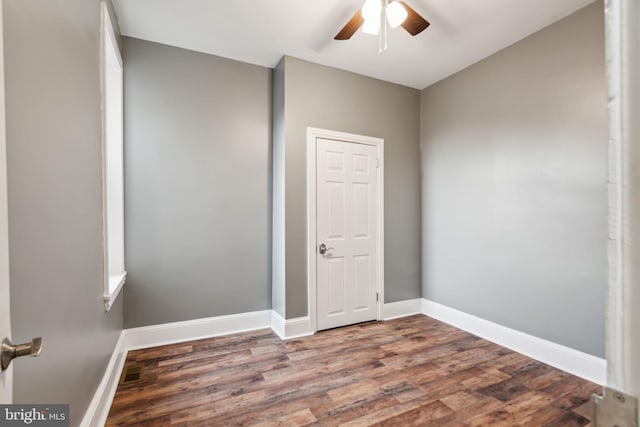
x: 337, y: 206
x: 362, y: 278
x: 361, y: 210
x: 336, y: 286
x: 347, y: 223
x: 5, y: 319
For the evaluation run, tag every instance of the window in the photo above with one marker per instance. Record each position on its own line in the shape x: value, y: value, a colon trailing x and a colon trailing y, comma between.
x: 112, y: 152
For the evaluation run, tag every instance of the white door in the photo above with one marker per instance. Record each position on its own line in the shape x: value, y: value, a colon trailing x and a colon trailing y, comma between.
x: 5, y: 326
x: 347, y: 225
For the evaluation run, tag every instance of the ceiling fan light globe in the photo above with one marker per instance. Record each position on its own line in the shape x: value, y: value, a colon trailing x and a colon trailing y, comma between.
x: 371, y: 26
x: 396, y: 14
x: 371, y: 10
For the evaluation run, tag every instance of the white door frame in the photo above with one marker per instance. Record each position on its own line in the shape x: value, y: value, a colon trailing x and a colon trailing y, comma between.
x: 623, y: 290
x: 312, y: 135
x: 6, y: 377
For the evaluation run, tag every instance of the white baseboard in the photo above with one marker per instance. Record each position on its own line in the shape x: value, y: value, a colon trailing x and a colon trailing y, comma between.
x: 297, y: 328
x: 290, y: 328
x: 394, y: 310
x: 575, y: 362
x: 98, y: 410
x: 277, y: 324
x: 172, y: 333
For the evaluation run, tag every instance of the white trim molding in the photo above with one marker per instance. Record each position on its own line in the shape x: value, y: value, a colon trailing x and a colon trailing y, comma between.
x: 290, y: 328
x: 176, y: 332
x: 118, y: 283
x: 312, y: 135
x: 277, y: 324
x: 297, y: 328
x: 112, y: 164
x: 575, y: 362
x: 623, y: 287
x: 98, y: 410
x: 395, y: 310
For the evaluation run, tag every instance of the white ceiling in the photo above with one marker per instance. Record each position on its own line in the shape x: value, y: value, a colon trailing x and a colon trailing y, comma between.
x: 462, y: 32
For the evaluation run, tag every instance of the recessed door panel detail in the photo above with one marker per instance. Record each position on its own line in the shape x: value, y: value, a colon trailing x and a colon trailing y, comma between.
x: 336, y: 286
x: 347, y: 226
x: 361, y: 209
x: 360, y: 163
x: 335, y: 161
x: 361, y: 279
x: 337, y: 210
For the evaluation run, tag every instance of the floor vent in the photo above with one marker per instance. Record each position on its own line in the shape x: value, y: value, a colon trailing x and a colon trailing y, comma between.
x: 131, y: 373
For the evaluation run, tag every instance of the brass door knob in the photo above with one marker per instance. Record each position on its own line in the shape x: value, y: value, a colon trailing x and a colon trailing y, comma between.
x: 10, y: 351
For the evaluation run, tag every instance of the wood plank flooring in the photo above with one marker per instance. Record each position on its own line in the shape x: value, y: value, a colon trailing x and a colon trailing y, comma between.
x: 413, y: 371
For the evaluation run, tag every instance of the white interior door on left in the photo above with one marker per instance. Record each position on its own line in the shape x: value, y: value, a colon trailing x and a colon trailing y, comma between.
x: 6, y: 380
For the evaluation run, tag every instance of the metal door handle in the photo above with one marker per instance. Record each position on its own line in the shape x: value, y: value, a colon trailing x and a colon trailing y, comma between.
x: 10, y: 351
x: 323, y: 249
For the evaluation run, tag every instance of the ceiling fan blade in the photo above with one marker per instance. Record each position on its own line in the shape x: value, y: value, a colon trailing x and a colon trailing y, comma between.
x: 351, y: 27
x: 414, y: 24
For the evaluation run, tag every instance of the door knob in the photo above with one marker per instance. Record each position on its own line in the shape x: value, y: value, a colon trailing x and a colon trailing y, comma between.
x: 323, y: 249
x: 11, y: 351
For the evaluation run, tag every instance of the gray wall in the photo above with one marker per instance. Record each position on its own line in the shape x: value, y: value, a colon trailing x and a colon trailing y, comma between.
x: 197, y: 185
x: 327, y: 98
x: 55, y: 200
x: 513, y: 187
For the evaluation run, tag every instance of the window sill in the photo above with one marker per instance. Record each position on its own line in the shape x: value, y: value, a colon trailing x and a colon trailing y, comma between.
x: 116, y: 283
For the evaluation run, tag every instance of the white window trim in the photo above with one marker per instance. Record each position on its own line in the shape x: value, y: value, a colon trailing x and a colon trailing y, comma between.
x: 109, y: 298
x: 112, y: 286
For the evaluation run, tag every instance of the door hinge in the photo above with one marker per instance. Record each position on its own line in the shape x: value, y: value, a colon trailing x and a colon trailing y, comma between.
x: 377, y: 296
x: 377, y: 163
x: 615, y: 408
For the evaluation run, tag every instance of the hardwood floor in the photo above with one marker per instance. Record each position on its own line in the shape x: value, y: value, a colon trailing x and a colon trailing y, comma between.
x: 413, y: 371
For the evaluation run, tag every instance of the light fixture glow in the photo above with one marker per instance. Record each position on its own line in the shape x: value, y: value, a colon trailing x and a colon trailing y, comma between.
x: 371, y: 26
x: 371, y: 14
x: 371, y: 10
x: 396, y: 14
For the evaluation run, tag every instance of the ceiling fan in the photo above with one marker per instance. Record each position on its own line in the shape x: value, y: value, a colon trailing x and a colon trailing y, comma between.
x: 376, y: 14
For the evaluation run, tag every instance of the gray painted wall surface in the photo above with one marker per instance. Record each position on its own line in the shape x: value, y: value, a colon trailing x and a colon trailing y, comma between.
x: 55, y: 200
x: 328, y: 98
x: 514, y: 164
x: 278, y: 291
x: 197, y: 185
